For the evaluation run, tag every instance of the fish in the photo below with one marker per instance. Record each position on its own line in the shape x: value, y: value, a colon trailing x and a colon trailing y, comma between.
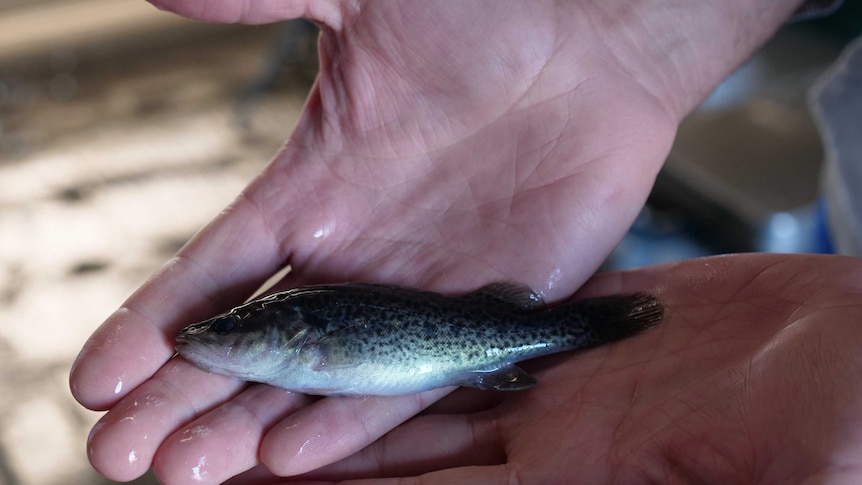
x: 379, y: 340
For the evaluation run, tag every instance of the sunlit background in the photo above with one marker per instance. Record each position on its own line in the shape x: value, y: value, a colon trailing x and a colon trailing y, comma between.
x: 124, y: 129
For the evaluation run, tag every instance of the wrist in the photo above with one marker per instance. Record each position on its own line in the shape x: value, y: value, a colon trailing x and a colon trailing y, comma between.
x: 679, y: 51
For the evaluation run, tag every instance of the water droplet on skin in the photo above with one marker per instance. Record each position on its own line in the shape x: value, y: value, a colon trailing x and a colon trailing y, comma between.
x: 324, y: 230
x: 196, y: 432
x: 131, y: 416
x: 309, y: 445
x: 553, y: 279
x: 198, y: 474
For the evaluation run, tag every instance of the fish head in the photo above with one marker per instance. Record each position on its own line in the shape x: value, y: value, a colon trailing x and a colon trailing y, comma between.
x: 251, y: 343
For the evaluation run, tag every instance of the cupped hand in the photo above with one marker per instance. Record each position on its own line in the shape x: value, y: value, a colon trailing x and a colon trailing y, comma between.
x: 442, y: 147
x: 753, y: 377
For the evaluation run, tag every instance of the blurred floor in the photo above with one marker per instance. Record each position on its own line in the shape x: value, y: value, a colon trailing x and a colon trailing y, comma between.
x: 98, y: 149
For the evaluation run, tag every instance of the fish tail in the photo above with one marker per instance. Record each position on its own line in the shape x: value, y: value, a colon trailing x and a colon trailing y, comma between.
x: 616, y: 317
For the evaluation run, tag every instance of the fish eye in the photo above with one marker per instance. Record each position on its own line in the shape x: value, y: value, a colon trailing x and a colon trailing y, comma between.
x: 224, y: 326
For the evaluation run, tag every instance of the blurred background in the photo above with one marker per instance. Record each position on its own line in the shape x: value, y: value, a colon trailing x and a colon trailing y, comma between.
x: 123, y: 130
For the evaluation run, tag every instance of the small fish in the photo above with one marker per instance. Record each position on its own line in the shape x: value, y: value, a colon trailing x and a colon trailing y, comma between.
x: 365, y: 339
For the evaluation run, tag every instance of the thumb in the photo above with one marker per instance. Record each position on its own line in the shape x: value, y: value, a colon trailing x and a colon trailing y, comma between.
x: 328, y: 12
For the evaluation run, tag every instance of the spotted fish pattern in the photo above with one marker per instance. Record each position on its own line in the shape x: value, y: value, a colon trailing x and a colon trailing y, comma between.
x: 365, y: 339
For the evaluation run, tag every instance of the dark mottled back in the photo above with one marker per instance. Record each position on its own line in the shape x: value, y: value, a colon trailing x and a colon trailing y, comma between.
x: 378, y: 339
x: 382, y: 320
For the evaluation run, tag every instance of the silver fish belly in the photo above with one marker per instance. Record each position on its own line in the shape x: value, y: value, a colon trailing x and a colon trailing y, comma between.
x: 364, y: 339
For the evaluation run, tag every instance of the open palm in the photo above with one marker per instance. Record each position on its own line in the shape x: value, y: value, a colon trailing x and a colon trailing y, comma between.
x: 753, y: 377
x: 441, y: 148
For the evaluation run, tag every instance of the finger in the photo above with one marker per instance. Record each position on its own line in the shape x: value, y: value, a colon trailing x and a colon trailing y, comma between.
x: 334, y: 428
x: 224, y: 442
x: 258, y: 475
x: 474, y: 475
x: 123, y: 443
x: 253, y: 11
x: 219, y: 267
x: 421, y: 445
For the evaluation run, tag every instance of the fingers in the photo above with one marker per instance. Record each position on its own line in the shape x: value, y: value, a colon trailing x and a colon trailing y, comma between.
x: 421, y: 445
x: 123, y: 443
x: 224, y: 442
x: 253, y: 11
x: 480, y: 475
x: 335, y: 428
x: 258, y: 475
x: 474, y: 475
x: 220, y: 267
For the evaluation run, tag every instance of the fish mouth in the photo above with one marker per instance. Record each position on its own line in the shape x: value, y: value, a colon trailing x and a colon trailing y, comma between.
x: 186, y: 337
x: 181, y: 337
x: 194, y: 354
x: 183, y: 345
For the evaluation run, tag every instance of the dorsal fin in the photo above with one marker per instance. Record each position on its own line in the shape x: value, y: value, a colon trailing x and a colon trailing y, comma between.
x: 516, y: 294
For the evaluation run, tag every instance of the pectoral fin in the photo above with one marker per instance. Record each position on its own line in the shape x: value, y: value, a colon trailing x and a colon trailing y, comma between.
x: 509, y: 378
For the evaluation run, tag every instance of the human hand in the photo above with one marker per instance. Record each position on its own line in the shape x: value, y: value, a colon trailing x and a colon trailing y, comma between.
x: 753, y: 377
x: 441, y: 148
